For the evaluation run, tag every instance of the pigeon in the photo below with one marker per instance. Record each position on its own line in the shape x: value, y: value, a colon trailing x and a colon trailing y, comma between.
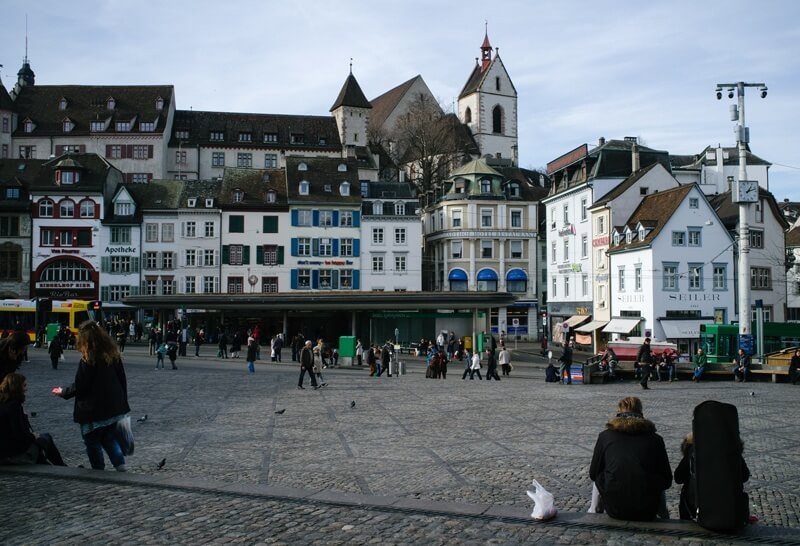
x: 33, y: 414
x: 142, y: 419
x: 160, y: 465
x: 752, y: 393
x: 353, y: 404
x: 281, y: 411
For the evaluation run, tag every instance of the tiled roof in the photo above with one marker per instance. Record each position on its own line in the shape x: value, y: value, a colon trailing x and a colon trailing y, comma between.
x: 385, y: 104
x: 476, y: 167
x: 654, y: 211
x: 473, y: 82
x: 351, y: 95
x: 200, y: 190
x: 318, y: 132
x: 529, y: 187
x: 5, y: 101
x: 324, y: 178
x: 728, y: 211
x: 704, y: 158
x: 389, y: 193
x: 96, y: 175
x: 255, y: 183
x: 157, y: 194
x: 17, y: 173
x: 793, y: 237
x: 86, y: 103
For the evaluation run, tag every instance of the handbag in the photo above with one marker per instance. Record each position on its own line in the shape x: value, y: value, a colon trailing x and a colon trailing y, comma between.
x: 124, y: 435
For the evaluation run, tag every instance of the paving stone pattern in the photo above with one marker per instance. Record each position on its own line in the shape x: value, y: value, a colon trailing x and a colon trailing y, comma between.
x: 473, y: 442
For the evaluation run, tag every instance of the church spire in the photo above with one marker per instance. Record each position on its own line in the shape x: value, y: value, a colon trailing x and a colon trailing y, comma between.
x: 25, y: 76
x: 486, y: 50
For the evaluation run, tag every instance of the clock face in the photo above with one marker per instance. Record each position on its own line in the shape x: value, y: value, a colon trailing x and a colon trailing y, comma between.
x: 748, y: 191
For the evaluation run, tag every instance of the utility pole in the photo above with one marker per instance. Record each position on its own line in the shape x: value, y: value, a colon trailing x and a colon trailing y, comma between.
x: 745, y: 192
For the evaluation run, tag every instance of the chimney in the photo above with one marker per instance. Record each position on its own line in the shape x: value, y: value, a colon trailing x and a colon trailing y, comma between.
x: 601, y: 141
x: 634, y: 158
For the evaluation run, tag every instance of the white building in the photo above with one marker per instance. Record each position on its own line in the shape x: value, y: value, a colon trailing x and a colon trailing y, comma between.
x: 120, y: 262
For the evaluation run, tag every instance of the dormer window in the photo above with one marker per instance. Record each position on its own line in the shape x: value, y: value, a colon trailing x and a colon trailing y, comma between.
x: 641, y: 234
x: 327, y: 188
x: 209, y: 203
x: 216, y: 136
x: 97, y: 126
x: 123, y: 126
x: 400, y: 208
x: 191, y: 202
x: 238, y: 196
x: 323, y: 141
x: 486, y: 185
x: 62, y: 103
x: 111, y: 103
x: 616, y: 238
x: 66, y: 178
x: 159, y: 103
x: 67, y: 125
x: 246, y: 137
x: 342, y: 168
x: 460, y: 185
x: 272, y: 196
x: 297, y: 138
x: 513, y: 190
x: 147, y: 126
x: 302, y: 167
x: 628, y: 237
x: 27, y: 126
x: 377, y: 208
x: 123, y: 209
x: 344, y: 188
x: 270, y: 137
x: 304, y: 186
x: 182, y: 134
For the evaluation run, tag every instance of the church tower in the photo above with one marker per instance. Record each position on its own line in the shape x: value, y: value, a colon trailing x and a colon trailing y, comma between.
x: 351, y: 111
x: 488, y: 106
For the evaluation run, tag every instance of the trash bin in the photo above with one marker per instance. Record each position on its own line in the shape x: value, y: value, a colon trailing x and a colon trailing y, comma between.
x: 347, y: 350
x: 52, y: 331
x: 577, y: 374
x: 480, y: 344
x: 467, y: 342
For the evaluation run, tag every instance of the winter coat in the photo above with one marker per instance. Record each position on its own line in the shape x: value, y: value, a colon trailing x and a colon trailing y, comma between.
x: 645, y: 354
x: 630, y: 468
x: 476, y: 362
x: 252, y: 350
x: 317, y: 362
x: 15, y: 429
x: 55, y: 349
x: 100, y: 392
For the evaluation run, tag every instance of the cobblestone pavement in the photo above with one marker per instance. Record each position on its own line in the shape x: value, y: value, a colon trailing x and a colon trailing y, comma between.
x: 449, y: 443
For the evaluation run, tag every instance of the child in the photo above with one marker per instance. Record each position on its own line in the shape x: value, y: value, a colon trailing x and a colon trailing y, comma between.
x: 160, y: 352
x: 551, y: 374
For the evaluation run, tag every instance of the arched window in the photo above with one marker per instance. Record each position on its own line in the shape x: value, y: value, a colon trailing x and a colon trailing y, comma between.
x: 468, y: 115
x: 344, y: 188
x: 272, y: 196
x: 66, y: 209
x: 46, y: 208
x: 497, y: 119
x: 377, y: 208
x: 238, y: 196
x: 87, y: 209
x: 304, y: 186
x: 302, y: 167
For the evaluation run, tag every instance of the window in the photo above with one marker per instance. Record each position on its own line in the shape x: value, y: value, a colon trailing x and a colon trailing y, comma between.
x: 694, y: 237
x: 190, y: 256
x: 189, y: 285
x: 377, y: 236
x: 516, y: 249
x: 326, y: 247
x: 345, y: 247
x: 27, y: 126
x: 191, y: 229
x: 4, y: 154
x: 9, y: 226
x: 182, y: 134
x: 400, y: 264
x: 513, y: 190
x: 565, y: 211
x: 180, y: 157
x: 269, y: 285
x: 6, y: 124
x: 66, y: 209
x: 270, y: 137
x: 151, y: 286
x: 118, y: 292
x: 456, y: 218
x: 377, y: 208
x: 270, y: 161
x: 208, y: 285
x: 566, y: 250
x: 209, y: 229
x: 167, y: 260
x: 554, y: 287
x: 216, y: 136
x: 235, y: 254
x: 46, y: 207
x: 566, y: 286
x: 272, y: 196
x: 120, y: 235
x: 497, y: 119
x: 325, y: 278
x: 756, y: 238
x: 326, y: 218
x: 245, y: 137
x: 585, y: 285
x: 304, y: 278
x: 167, y: 286
x: 346, y: 218
x: 670, y: 277
x: 486, y: 218
x: 516, y: 218
x: 694, y: 203
x: 304, y: 246
x: 208, y: 257
x: 377, y: 264
x: 270, y: 254
x: 140, y: 151
x: 553, y: 252
x: 147, y: 126
x: 151, y: 260
x: 140, y: 178
x: 235, y: 285
x: 455, y: 249
x: 297, y: 138
x: 346, y: 278
x: 236, y: 223
x: 678, y: 238
x: 486, y: 185
x: 123, y: 209
x: 487, y: 248
x: 151, y: 233
x: 720, y: 277
x: 10, y: 265
x: 497, y: 83
x: 583, y: 209
x: 601, y: 224
x: 244, y: 160
x: 621, y: 281
x: 304, y: 188
x: 123, y: 126
x: 27, y: 152
x: 167, y: 233
x: 637, y: 278
x: 760, y: 278
x: 217, y: 159
x: 601, y: 262
x: 400, y: 209
x: 584, y: 246
x: 400, y: 236
x: 695, y: 276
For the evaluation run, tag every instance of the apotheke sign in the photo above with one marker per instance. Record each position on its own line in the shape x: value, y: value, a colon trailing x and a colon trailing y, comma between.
x: 120, y: 250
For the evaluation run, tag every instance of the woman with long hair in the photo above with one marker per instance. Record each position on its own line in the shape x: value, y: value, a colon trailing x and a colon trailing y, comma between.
x: 101, y: 395
x: 18, y: 443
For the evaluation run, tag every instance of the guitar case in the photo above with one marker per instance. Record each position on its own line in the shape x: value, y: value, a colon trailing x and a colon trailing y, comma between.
x: 722, y: 504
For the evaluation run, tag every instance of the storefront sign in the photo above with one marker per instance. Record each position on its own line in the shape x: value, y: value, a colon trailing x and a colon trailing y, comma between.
x: 694, y: 297
x: 120, y: 250
x: 74, y: 285
x: 568, y: 229
x: 600, y: 241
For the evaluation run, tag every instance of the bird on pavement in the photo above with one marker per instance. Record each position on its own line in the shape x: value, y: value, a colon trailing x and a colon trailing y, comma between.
x: 142, y: 419
x: 353, y: 404
x: 281, y: 411
x: 161, y: 464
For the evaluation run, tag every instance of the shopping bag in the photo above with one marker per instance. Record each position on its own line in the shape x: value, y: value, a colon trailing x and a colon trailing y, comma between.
x: 543, y: 503
x: 61, y: 358
x: 124, y: 435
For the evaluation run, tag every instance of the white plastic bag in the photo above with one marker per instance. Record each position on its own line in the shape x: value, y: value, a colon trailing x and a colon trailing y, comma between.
x: 544, y: 507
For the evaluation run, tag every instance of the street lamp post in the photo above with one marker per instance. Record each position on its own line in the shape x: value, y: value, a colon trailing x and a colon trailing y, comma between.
x: 745, y: 192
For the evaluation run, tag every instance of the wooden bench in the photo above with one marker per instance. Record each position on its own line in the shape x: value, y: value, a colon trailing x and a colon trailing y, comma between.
x: 773, y: 371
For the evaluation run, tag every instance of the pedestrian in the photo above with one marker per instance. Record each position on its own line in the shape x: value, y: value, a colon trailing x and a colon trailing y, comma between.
x: 257, y: 337
x: 794, y: 368
x: 630, y: 468
x: 12, y: 351
x: 359, y: 353
x: 251, y: 355
x: 609, y: 362
x: 55, y: 351
x: 386, y: 357
x: 645, y: 359
x: 307, y: 365
x: 741, y: 367
x: 222, y: 344
x: 565, y: 361
x: 491, y: 365
x: 198, y: 341
x: 378, y: 360
x: 236, y: 344
x: 122, y: 336
x: 544, y: 345
x: 504, y: 359
x: 371, y: 361
x: 183, y: 340
x: 160, y: 352
x: 316, y: 366
x: 20, y: 444
x: 699, y: 361
x: 443, y: 361
x: 551, y: 373
x: 100, y: 390
x: 277, y: 345
x: 151, y: 341
x: 475, y: 367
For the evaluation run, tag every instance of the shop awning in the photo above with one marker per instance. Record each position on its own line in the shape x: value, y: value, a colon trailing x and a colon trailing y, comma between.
x: 591, y: 327
x: 457, y: 275
x: 682, y: 329
x: 621, y: 325
x: 574, y: 320
x: 487, y: 275
x: 516, y: 275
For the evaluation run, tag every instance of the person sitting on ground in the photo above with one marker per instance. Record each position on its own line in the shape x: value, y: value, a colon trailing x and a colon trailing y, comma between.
x: 794, y: 368
x: 12, y: 352
x: 700, y: 360
x: 551, y: 373
x: 18, y: 443
x: 609, y: 362
x: 630, y: 468
x: 741, y: 367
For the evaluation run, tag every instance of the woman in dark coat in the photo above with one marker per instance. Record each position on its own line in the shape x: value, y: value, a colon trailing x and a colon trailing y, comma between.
x: 55, y: 351
x: 101, y: 395
x: 630, y: 467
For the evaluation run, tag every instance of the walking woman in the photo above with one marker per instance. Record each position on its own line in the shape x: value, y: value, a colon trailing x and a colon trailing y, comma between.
x: 101, y: 395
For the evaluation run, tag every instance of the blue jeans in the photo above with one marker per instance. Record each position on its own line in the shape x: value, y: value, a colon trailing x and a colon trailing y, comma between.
x: 103, y: 439
x: 670, y: 369
x: 698, y: 372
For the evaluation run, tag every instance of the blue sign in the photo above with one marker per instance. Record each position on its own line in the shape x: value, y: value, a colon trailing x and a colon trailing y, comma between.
x: 746, y: 343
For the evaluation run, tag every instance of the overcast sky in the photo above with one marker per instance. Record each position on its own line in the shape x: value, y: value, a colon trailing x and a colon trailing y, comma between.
x: 582, y: 69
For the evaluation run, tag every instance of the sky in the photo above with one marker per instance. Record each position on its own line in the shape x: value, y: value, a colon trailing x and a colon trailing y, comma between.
x: 582, y: 70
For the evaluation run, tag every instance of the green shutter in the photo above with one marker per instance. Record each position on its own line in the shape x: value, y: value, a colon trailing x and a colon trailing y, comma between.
x: 260, y: 255
x: 246, y: 255
x: 135, y: 265
x: 225, y: 254
x: 236, y: 224
x: 270, y: 224
x: 280, y: 255
x: 104, y: 293
x: 105, y: 266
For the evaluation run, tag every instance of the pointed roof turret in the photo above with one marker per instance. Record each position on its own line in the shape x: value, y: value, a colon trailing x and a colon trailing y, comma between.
x: 486, y: 51
x: 351, y: 95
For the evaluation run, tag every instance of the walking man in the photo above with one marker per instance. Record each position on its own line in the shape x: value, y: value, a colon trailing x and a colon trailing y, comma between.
x: 491, y: 365
x: 504, y: 358
x: 307, y: 365
x: 566, y: 363
x: 645, y: 359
